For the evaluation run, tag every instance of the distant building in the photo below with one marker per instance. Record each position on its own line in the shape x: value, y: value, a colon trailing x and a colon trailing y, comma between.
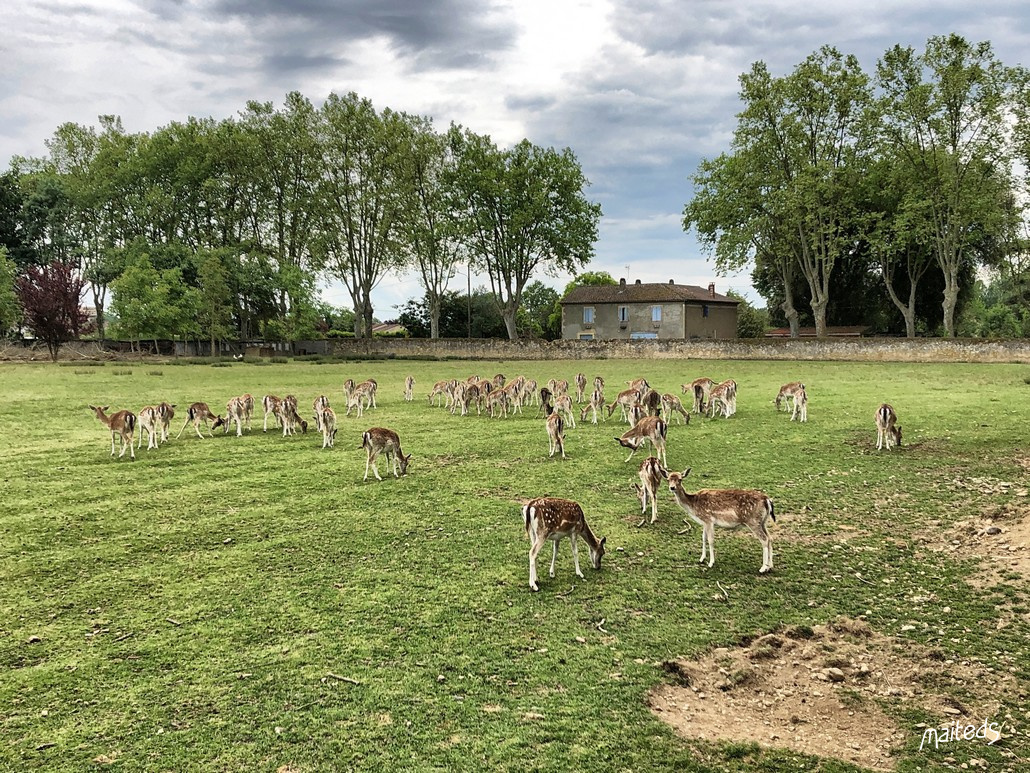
x: 629, y: 311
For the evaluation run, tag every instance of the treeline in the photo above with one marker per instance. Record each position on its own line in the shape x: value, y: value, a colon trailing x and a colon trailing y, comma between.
x: 221, y: 228
x: 878, y: 199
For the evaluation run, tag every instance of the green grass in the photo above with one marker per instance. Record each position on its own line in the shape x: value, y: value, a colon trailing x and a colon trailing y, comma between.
x: 193, y: 610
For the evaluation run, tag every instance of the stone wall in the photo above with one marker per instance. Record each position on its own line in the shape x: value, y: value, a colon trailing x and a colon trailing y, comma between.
x: 840, y: 349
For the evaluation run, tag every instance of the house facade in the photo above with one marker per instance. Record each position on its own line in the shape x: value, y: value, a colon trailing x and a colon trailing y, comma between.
x: 634, y: 311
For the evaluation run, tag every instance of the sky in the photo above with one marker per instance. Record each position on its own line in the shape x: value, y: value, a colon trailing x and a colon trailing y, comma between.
x: 640, y: 90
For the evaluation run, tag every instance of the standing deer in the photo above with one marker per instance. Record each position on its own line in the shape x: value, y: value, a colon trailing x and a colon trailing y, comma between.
x: 723, y: 397
x: 563, y: 405
x: 555, y: 434
x: 327, y: 423
x: 650, y: 429
x: 148, y: 421
x: 670, y: 405
x: 235, y: 411
x: 888, y: 431
x: 247, y: 401
x: 271, y: 405
x: 652, y: 473
x: 800, y: 406
x: 581, y: 386
x: 625, y: 400
x: 596, y: 405
x: 318, y: 407
x: 197, y: 413
x: 379, y: 440
x: 548, y: 518
x: 165, y: 414
x: 122, y: 425
x: 728, y: 508
x: 789, y: 392
x: 289, y: 417
x: 700, y: 388
x: 409, y: 389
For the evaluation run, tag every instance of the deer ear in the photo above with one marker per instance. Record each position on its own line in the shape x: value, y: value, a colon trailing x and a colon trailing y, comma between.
x: 686, y: 472
x: 665, y: 472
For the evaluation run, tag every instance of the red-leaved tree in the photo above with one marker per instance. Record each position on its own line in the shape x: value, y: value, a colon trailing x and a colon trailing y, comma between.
x: 50, y: 299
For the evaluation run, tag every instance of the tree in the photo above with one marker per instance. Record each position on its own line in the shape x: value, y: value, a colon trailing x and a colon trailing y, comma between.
x: 50, y: 298
x: 457, y: 312
x: 522, y: 209
x: 751, y: 322
x: 213, y: 305
x: 586, y: 279
x: 137, y: 301
x: 10, y: 311
x: 538, y: 301
x: 945, y: 114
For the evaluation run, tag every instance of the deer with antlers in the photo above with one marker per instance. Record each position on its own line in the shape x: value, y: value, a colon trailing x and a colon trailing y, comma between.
x: 651, y: 474
x: 380, y: 440
x: 550, y: 518
x: 650, y: 429
x: 727, y: 508
x: 122, y: 425
x: 888, y: 431
x: 197, y: 413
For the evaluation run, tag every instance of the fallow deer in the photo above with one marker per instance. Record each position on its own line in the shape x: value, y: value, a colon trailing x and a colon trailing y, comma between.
x: 379, y: 440
x: 639, y: 384
x: 625, y: 399
x: 888, y: 431
x: 409, y: 389
x: 290, y: 418
x: 197, y: 413
x: 549, y: 518
x: 670, y: 405
x: 650, y: 429
x: 555, y: 434
x: 596, y: 405
x: 800, y: 406
x: 272, y: 405
x: 558, y: 386
x: 247, y: 401
x: 563, y: 406
x: 165, y: 414
x: 581, y: 386
x: 727, y: 508
x: 789, y: 392
x: 122, y: 425
x: 651, y: 400
x: 327, y: 423
x: 599, y: 383
x: 149, y: 421
x: 439, y: 390
x: 318, y: 407
x: 724, y: 398
x: 700, y: 389
x: 652, y: 473
x: 234, y: 413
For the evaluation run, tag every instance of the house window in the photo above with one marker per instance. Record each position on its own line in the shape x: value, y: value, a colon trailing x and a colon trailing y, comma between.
x: 656, y: 313
x: 647, y: 335
x: 704, y: 310
x: 588, y: 315
x: 623, y: 314
x: 586, y: 336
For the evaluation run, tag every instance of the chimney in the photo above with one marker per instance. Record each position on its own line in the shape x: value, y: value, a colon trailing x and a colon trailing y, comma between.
x: 671, y: 282
x: 622, y: 282
x: 711, y: 289
x: 637, y: 282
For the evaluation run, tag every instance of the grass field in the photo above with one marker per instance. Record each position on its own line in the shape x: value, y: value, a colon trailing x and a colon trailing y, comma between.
x: 196, y: 609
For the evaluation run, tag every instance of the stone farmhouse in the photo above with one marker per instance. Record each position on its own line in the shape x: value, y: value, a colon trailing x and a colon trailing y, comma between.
x: 633, y: 311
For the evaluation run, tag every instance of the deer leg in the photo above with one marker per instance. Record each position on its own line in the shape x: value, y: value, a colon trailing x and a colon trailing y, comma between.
x: 704, y: 544
x: 554, y: 556
x: 711, y: 544
x: 533, y: 550
x: 654, y: 505
x: 368, y: 457
x: 575, y: 555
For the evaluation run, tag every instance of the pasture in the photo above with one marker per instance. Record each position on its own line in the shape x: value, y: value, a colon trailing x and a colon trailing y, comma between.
x: 250, y: 604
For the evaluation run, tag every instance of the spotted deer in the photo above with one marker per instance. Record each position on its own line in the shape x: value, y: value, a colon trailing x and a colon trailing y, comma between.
x: 563, y: 406
x: 652, y: 473
x: 596, y: 405
x: 438, y: 394
x: 651, y: 400
x: 800, y: 407
x: 234, y: 414
x: 197, y: 413
x: 639, y: 384
x: 625, y: 399
x: 700, y: 389
x: 122, y: 425
x: 670, y: 405
x: 409, y: 389
x: 581, y: 386
x: 888, y: 431
x: 318, y: 407
x: 247, y: 401
x: 327, y: 424
x: 650, y: 429
x: 272, y: 406
x: 727, y: 508
x: 789, y: 392
x: 148, y: 420
x: 724, y: 398
x: 599, y: 383
x: 165, y: 414
x: 558, y: 386
x: 555, y: 434
x: 549, y: 518
x: 289, y: 417
x: 379, y: 440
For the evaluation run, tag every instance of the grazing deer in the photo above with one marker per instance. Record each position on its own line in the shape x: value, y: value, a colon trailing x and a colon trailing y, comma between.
x: 652, y: 473
x: 271, y: 405
x: 650, y: 429
x: 596, y: 405
x: 563, y: 405
x: 247, y: 401
x: 355, y: 401
x: 639, y: 384
x: 555, y: 434
x: 625, y: 400
x: 234, y: 412
x: 439, y: 390
x: 148, y: 420
x: 701, y: 389
x: 652, y: 402
x: 289, y: 417
x: 801, y: 406
x: 581, y: 386
x: 327, y: 423
x: 723, y: 397
x: 197, y: 413
x: 728, y: 508
x: 888, y: 431
x: 545, y: 401
x: 318, y: 407
x: 548, y: 518
x: 789, y: 392
x: 369, y: 387
x: 409, y: 389
x: 379, y: 440
x: 122, y: 425
x: 670, y: 405
x: 165, y: 414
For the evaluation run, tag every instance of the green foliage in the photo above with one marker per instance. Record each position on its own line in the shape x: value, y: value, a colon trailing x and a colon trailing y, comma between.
x: 457, y: 314
x: 586, y: 279
x: 751, y: 322
x: 10, y: 309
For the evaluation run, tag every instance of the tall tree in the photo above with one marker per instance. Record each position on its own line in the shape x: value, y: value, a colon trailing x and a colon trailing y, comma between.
x: 10, y: 310
x: 362, y: 197
x: 945, y: 113
x: 523, y: 209
x: 213, y: 302
x: 50, y: 297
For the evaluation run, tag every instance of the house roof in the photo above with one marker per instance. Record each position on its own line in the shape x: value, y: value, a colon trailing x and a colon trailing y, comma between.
x: 646, y: 293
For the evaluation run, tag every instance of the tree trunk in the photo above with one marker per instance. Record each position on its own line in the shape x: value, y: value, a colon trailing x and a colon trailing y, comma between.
x: 950, y: 301
x: 790, y: 312
x: 434, y: 315
x: 508, y: 313
x: 819, y: 314
x: 98, y: 304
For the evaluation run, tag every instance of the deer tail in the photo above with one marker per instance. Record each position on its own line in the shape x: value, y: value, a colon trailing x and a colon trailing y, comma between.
x: 772, y: 510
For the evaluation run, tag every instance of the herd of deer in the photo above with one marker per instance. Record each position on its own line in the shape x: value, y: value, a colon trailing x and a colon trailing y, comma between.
x: 545, y: 518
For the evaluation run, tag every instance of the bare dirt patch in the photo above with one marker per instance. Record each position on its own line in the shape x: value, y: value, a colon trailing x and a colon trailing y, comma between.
x: 818, y: 691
